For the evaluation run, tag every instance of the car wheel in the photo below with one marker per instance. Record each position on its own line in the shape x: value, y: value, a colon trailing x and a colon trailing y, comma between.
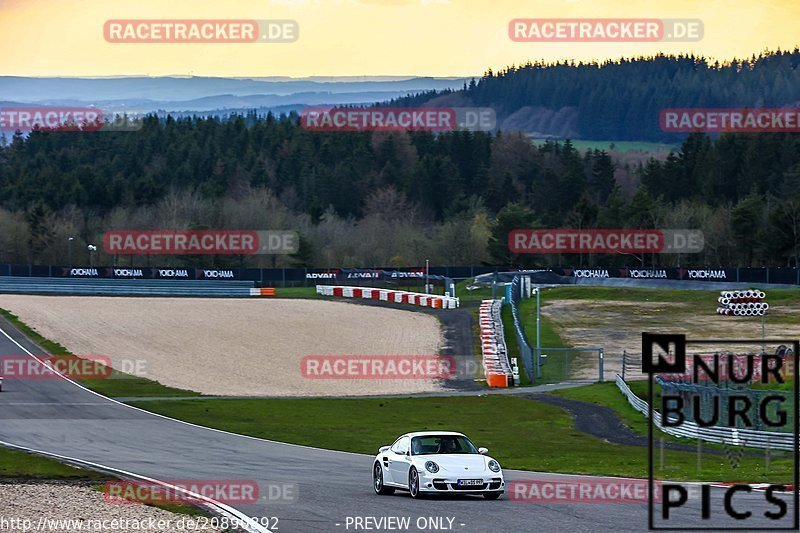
x: 491, y: 495
x: 413, y: 483
x: 377, y: 481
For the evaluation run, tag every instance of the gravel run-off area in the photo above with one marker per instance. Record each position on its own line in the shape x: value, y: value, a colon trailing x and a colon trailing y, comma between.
x: 73, y: 507
x: 249, y: 347
x: 617, y: 326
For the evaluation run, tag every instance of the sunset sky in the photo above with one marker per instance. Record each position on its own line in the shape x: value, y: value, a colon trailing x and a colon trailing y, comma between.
x: 363, y: 37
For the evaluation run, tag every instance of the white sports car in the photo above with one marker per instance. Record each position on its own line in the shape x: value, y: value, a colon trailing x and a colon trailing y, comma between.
x: 434, y: 462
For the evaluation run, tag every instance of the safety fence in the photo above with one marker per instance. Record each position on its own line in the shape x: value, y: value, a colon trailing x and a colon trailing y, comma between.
x: 710, y: 402
x: 526, y: 351
x: 388, y: 295
x: 402, y: 276
x: 632, y: 366
x: 716, y: 434
x: 121, y: 287
x: 496, y: 365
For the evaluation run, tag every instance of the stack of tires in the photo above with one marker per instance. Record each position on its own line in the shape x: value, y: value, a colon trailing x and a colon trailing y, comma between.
x: 742, y: 303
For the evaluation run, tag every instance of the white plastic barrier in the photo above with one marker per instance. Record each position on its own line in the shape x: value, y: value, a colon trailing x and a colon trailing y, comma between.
x: 496, y: 366
x: 413, y: 298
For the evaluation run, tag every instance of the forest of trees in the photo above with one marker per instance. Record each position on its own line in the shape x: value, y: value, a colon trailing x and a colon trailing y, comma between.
x: 396, y: 199
x: 622, y: 100
x: 363, y: 199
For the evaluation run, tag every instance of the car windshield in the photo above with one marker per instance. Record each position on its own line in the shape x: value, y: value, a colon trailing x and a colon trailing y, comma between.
x: 436, y: 444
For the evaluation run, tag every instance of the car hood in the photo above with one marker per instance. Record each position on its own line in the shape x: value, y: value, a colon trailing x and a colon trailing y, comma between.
x: 456, y: 463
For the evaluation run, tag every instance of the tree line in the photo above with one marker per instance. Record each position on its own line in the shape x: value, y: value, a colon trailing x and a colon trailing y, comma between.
x: 622, y: 99
x: 389, y: 199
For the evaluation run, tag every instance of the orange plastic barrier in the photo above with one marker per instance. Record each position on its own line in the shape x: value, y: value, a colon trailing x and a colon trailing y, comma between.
x: 268, y: 291
x: 496, y: 380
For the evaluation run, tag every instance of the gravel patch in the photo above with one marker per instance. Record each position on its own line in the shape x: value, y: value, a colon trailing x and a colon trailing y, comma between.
x: 618, y: 325
x: 70, y: 507
x: 245, y: 347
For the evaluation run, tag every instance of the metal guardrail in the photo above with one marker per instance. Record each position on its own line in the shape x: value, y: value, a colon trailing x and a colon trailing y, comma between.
x: 717, y: 434
x: 120, y: 287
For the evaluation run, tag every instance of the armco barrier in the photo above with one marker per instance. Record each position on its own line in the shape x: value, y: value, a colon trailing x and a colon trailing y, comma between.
x: 526, y: 351
x: 121, y: 287
x: 423, y: 300
x: 496, y: 367
x: 717, y: 434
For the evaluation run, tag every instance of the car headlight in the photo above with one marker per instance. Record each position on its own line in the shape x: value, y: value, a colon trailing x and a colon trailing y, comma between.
x: 494, y: 466
x: 431, y: 467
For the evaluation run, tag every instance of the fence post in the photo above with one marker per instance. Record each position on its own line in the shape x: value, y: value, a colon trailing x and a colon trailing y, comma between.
x: 601, y: 366
x: 624, y: 353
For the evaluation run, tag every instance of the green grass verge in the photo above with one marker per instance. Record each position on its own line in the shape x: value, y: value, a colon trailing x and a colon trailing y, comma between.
x: 608, y: 395
x: 297, y: 292
x: 512, y: 345
x: 619, y: 146
x: 21, y: 465
x: 554, y: 368
x: 521, y: 433
x: 117, y: 384
x: 483, y: 293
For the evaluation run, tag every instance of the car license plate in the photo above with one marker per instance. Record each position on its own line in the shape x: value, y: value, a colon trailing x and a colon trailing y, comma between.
x: 469, y: 482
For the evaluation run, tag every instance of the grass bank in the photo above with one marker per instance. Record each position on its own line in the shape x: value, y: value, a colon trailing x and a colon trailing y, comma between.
x: 520, y: 433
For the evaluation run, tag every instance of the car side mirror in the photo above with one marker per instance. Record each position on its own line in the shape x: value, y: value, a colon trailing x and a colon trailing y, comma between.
x: 408, y: 453
x: 483, y: 451
x: 383, y: 449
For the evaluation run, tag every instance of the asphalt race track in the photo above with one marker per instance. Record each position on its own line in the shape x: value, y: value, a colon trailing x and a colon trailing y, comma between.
x: 59, y: 417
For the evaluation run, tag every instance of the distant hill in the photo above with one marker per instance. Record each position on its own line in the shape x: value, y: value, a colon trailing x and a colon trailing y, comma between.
x: 146, y: 94
x: 622, y: 100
